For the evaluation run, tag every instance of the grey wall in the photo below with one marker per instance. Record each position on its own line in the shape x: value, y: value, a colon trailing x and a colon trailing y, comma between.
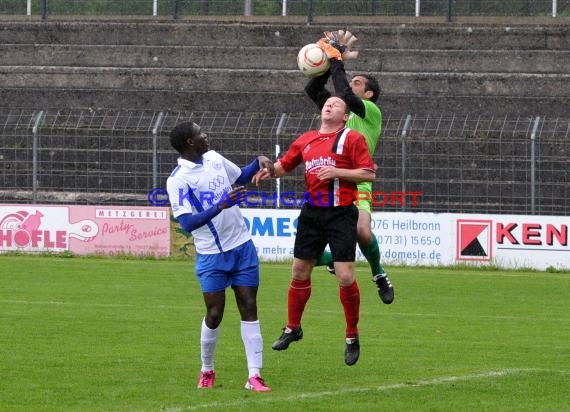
x: 423, y: 69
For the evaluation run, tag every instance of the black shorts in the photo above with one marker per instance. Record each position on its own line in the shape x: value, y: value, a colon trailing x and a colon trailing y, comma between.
x: 319, y: 226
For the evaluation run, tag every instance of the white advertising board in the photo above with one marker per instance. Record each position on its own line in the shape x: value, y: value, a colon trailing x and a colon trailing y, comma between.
x: 511, y: 241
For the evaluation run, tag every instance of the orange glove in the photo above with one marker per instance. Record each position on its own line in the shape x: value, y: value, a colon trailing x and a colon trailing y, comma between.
x: 331, y: 51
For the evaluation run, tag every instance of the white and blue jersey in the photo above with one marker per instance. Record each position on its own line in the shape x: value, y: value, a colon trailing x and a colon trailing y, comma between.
x: 194, y: 187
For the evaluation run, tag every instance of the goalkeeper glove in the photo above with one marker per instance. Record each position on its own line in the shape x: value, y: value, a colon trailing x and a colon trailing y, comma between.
x: 342, y: 41
x: 331, y: 51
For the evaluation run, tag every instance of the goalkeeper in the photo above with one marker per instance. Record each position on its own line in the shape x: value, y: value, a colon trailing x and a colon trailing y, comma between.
x: 361, y: 94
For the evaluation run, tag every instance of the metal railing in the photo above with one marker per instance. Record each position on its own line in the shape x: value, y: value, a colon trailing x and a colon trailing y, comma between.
x: 459, y: 164
x: 307, y: 8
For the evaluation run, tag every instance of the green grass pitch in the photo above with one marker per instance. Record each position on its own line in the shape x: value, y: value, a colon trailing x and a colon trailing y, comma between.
x: 102, y: 334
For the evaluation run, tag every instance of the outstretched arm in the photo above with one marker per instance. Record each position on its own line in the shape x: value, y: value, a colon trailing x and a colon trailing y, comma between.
x: 265, y: 173
x: 335, y: 53
x: 342, y: 86
x: 251, y: 169
x: 316, y: 90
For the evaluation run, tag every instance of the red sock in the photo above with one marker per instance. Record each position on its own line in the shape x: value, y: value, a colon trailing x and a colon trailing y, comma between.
x: 299, y: 293
x: 350, y: 299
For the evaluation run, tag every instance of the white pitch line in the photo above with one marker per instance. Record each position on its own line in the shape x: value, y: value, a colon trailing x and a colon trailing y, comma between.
x: 267, y: 398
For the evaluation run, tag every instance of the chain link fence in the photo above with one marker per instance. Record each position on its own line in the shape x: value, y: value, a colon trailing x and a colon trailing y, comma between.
x: 309, y: 8
x: 459, y: 164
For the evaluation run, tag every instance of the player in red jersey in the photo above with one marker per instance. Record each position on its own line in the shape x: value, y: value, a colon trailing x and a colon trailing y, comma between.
x: 361, y: 94
x: 336, y: 158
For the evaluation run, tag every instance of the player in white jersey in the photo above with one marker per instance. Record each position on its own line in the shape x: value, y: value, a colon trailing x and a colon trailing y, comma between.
x: 204, y: 202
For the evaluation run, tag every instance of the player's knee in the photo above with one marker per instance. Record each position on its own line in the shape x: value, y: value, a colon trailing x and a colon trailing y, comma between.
x: 214, y: 317
x: 364, y: 235
x: 301, y: 270
x: 345, y: 279
x: 344, y: 273
x: 248, y: 307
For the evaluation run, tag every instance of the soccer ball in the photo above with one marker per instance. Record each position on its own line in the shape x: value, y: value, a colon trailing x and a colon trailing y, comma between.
x: 312, y: 60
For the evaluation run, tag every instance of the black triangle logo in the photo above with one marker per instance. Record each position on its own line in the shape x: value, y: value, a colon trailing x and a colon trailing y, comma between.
x: 473, y: 249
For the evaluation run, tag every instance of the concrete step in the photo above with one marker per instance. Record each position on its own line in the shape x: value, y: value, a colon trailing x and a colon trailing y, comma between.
x: 268, y: 81
x: 386, y: 36
x: 283, y: 58
x: 277, y: 102
x: 480, y: 61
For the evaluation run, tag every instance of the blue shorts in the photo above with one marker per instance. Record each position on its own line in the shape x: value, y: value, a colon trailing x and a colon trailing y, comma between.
x: 236, y: 267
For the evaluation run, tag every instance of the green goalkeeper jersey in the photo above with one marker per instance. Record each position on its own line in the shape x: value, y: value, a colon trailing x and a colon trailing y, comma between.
x: 370, y: 126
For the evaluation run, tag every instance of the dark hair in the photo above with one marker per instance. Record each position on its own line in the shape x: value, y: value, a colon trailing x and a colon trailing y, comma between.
x: 342, y: 97
x: 372, y: 85
x: 181, y: 132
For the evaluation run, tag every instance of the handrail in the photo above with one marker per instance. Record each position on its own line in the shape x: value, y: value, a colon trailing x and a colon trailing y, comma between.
x: 311, y: 11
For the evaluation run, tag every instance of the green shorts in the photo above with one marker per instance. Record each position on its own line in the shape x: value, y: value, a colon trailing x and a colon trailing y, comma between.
x: 364, y: 204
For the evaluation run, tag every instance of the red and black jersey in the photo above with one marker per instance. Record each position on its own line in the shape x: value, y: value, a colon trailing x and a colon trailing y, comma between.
x: 343, y: 149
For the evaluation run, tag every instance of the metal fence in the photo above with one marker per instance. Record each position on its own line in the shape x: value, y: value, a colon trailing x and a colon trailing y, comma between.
x: 308, y: 8
x: 459, y: 164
